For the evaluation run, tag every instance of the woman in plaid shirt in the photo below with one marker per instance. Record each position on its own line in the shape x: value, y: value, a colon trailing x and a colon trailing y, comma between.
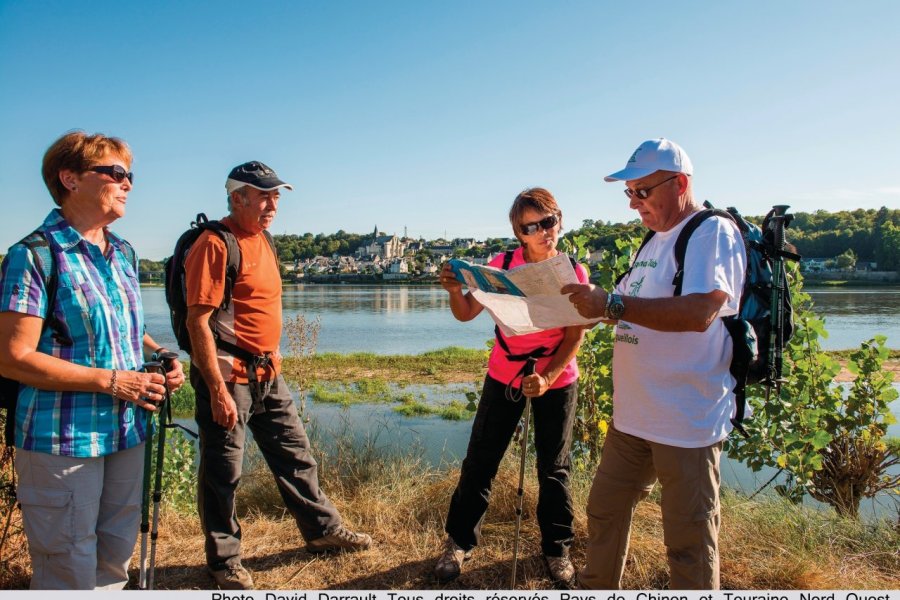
x: 79, y: 430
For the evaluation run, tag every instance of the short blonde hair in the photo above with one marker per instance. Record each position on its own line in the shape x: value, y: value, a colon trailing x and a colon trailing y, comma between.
x: 78, y: 151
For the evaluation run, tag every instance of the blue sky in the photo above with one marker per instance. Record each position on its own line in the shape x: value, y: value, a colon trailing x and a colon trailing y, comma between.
x: 433, y: 115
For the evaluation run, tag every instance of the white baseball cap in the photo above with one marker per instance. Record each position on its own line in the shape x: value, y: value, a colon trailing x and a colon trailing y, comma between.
x: 652, y: 156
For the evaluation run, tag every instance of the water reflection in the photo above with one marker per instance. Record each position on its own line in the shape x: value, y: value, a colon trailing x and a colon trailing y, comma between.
x: 401, y: 319
x: 364, y: 299
x: 853, y: 315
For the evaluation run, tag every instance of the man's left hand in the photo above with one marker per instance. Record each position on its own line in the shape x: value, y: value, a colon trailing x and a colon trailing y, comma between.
x: 589, y: 300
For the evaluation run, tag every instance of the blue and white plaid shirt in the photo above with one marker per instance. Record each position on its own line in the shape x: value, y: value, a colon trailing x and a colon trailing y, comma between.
x: 98, y: 302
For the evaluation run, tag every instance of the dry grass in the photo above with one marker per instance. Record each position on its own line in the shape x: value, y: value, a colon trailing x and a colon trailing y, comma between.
x: 764, y: 545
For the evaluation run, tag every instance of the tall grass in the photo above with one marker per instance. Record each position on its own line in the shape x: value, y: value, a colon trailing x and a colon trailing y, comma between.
x: 394, y: 495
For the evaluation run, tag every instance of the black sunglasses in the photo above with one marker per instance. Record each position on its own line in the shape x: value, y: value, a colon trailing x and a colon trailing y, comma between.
x: 544, y: 224
x: 117, y: 172
x: 644, y: 193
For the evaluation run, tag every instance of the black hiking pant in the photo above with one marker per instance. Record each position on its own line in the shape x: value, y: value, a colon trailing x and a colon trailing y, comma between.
x: 493, y: 428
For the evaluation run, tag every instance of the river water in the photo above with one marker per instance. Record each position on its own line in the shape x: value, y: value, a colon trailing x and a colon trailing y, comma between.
x: 413, y: 319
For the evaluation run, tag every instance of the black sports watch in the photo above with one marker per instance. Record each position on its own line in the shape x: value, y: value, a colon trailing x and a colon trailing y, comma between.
x: 615, y: 308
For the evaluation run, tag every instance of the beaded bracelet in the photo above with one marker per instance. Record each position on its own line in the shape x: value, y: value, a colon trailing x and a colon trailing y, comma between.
x: 113, y: 386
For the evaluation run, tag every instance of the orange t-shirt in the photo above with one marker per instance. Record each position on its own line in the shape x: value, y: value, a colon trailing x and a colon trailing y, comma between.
x: 253, y: 319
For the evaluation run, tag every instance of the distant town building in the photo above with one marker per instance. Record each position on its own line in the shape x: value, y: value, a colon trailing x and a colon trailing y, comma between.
x: 384, y: 246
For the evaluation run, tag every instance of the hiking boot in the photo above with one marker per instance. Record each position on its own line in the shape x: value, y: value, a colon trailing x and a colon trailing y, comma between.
x: 450, y: 563
x: 341, y: 539
x: 233, y: 577
x: 561, y: 568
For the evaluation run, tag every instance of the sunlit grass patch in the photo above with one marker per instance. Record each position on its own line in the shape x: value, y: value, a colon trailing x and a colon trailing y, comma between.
x: 415, y: 408
x: 456, y: 410
x: 447, y: 365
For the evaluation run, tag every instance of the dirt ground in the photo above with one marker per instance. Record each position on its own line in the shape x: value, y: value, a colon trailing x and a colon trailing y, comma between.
x: 891, y: 366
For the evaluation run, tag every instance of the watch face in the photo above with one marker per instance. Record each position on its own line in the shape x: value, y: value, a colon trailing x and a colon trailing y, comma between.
x: 616, y: 306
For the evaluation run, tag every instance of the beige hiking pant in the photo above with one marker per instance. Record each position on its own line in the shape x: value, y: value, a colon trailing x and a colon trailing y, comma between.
x: 689, y: 478
x: 81, y: 517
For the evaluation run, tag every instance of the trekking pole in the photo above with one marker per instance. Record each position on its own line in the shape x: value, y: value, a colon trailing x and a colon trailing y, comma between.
x: 165, y: 411
x: 774, y: 362
x: 148, y: 367
x: 529, y: 370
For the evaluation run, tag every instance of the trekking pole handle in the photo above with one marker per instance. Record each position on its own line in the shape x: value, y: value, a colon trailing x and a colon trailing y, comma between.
x: 781, y: 219
x: 166, y: 358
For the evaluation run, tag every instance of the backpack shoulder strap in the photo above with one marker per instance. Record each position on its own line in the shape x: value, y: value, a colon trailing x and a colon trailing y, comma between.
x: 130, y: 254
x: 271, y: 241
x: 232, y: 254
x: 508, y: 256
x: 684, y: 237
x: 624, y: 274
x: 45, y: 261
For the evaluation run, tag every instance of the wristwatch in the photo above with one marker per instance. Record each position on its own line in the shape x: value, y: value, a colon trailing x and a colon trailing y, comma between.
x: 614, y: 307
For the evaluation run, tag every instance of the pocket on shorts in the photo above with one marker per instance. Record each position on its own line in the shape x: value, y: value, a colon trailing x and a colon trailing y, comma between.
x: 49, y: 519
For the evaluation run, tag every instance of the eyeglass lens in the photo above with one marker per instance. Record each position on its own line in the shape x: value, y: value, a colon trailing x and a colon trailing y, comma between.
x: 644, y: 193
x: 117, y: 172
x: 544, y: 224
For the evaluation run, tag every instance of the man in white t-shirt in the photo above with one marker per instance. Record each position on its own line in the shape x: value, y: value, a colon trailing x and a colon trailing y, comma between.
x: 673, y: 393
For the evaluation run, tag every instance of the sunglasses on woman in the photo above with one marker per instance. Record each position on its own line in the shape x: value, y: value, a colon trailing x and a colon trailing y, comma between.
x: 117, y: 172
x: 544, y: 224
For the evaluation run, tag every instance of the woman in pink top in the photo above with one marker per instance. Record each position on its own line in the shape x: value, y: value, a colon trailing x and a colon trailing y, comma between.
x: 536, y: 221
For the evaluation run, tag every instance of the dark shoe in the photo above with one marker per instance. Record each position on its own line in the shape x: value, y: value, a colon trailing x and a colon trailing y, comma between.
x: 233, y: 577
x: 450, y: 563
x: 341, y: 539
x: 560, y: 568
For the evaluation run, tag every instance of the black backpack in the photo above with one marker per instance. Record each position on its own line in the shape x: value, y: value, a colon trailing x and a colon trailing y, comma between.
x: 45, y: 261
x: 176, y: 291
x: 751, y: 330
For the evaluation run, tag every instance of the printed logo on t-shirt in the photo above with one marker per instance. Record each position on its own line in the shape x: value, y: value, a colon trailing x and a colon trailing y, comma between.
x: 635, y: 287
x: 627, y: 338
x: 650, y: 263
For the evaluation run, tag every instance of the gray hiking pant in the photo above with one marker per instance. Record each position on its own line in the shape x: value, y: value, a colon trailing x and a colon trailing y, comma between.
x: 280, y: 435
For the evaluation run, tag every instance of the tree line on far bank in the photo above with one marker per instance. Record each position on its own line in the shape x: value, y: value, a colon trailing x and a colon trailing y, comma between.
x: 865, y: 235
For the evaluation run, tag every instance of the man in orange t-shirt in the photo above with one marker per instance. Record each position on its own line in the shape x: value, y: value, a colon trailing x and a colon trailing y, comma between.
x: 234, y: 393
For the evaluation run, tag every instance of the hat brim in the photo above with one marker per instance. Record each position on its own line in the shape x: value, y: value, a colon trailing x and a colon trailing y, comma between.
x: 265, y: 184
x: 629, y: 173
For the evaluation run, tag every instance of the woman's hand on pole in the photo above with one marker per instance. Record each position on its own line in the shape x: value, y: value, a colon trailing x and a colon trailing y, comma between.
x: 535, y: 385
x: 143, y: 389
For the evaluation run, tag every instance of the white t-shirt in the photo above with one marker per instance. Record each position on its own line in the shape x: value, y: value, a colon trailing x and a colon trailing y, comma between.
x: 675, y: 388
